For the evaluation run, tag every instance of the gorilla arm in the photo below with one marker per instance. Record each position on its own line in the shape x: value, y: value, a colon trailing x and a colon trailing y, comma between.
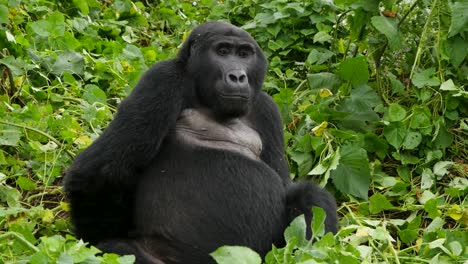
x: 266, y: 120
x: 133, y: 138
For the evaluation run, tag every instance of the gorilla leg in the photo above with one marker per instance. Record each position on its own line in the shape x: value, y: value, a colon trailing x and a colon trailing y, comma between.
x: 128, y: 247
x: 301, y: 196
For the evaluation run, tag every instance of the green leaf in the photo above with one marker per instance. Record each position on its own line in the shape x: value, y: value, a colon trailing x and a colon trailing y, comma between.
x: 318, y: 221
x: 395, y: 133
x: 459, y: 18
x: 360, y: 109
x: 431, y: 208
x: 352, y: 174
x: 375, y: 144
x: 236, y: 254
x: 324, y: 80
x: 412, y: 140
x: 53, y: 25
x: 425, y: 78
x: 396, y: 113
x: 319, y: 56
x: 10, y: 195
x: 441, y: 167
x: 389, y: 27
x: 397, y: 86
x: 449, y: 86
x: 296, y: 230
x: 93, y: 94
x: 10, y: 137
x: 82, y: 5
x: 457, y: 49
x: 304, y: 162
x: 354, y: 70
x: 70, y: 61
x: 322, y: 37
x: 427, y: 179
x: 4, y: 14
x: 421, y: 120
x: 378, y: 202
x: 25, y: 183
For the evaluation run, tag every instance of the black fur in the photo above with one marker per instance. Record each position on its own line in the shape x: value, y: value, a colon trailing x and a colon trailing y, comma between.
x: 138, y: 189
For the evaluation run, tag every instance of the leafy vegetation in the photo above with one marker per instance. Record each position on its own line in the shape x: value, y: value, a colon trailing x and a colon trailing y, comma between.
x: 372, y: 94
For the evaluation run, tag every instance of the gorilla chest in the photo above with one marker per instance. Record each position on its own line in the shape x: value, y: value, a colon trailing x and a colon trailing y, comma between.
x: 199, y: 127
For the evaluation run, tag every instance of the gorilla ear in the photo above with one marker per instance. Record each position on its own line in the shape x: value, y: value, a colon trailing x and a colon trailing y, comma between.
x: 187, y: 48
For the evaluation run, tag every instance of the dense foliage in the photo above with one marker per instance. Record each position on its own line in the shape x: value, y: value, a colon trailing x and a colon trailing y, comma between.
x: 372, y: 95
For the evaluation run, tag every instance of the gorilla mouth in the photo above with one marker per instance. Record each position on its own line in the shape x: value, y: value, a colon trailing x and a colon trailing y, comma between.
x: 234, y: 96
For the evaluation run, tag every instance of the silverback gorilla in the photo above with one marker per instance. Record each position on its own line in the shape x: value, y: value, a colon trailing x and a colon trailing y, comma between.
x: 193, y: 160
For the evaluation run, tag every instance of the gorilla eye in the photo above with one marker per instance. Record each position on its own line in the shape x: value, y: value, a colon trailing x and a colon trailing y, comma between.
x: 223, y: 50
x: 245, y: 52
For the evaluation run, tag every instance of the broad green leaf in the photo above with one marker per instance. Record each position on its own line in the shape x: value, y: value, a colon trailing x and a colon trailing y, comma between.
x: 324, y: 80
x: 10, y: 137
x: 389, y: 27
x: 459, y: 18
x: 412, y: 140
x: 410, y: 234
x: 4, y: 14
x: 236, y: 254
x: 318, y: 221
x: 319, y: 56
x: 359, y: 108
x: 404, y: 173
x: 354, y: 70
x: 322, y: 37
x: 16, y: 65
x: 93, y: 94
x: 397, y: 86
x: 352, y: 174
x: 304, y: 162
x: 436, y: 225
x: 26, y: 183
x: 425, y: 78
x: 53, y: 25
x: 441, y: 167
x: 427, y: 179
x: 297, y: 230
x: 405, y: 158
x: 431, y: 209
x: 421, y: 120
x: 375, y: 144
x: 378, y: 202
x: 82, y: 5
x: 70, y: 61
x: 395, y: 133
x: 396, y: 113
x: 284, y: 99
x: 449, y: 86
x: 457, y: 49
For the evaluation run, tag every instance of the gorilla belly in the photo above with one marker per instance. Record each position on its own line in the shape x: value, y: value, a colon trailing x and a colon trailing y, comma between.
x: 200, y: 198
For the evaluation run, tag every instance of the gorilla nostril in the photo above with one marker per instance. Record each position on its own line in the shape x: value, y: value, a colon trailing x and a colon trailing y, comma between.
x: 233, y: 78
x: 242, y: 78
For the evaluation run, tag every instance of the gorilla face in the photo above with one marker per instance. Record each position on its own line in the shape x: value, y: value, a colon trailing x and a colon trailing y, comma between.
x: 228, y: 67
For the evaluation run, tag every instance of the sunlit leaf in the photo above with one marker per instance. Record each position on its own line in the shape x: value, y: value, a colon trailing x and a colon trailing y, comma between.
x: 236, y: 254
x: 352, y: 174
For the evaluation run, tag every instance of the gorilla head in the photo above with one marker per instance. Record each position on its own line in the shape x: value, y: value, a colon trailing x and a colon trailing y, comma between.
x: 227, y: 66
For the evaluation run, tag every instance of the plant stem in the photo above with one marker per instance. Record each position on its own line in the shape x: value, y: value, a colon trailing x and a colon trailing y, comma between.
x: 71, y: 154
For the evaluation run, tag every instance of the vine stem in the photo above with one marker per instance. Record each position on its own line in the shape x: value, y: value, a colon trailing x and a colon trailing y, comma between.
x: 423, y: 39
x: 56, y: 141
x: 21, y: 239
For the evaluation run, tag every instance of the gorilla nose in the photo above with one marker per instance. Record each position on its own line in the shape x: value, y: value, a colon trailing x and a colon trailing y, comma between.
x: 237, y: 78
